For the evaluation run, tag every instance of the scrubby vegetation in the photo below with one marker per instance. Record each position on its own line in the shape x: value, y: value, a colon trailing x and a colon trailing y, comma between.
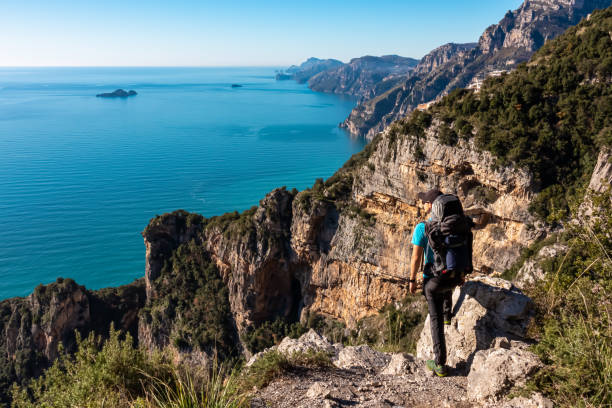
x: 274, y: 364
x: 551, y: 115
x: 190, y: 309
x: 573, y: 325
x: 113, y: 373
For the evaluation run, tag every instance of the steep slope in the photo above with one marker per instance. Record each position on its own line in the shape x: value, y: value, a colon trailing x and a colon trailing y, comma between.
x: 32, y: 328
x: 501, y: 47
x: 308, y: 69
x: 363, y: 77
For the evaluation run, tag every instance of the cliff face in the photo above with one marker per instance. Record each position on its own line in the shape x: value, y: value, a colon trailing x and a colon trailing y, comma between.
x: 501, y: 47
x: 32, y: 328
x: 363, y: 77
x: 311, y: 253
x: 442, y: 55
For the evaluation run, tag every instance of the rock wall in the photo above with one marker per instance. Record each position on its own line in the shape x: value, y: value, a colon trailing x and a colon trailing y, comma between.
x: 301, y: 254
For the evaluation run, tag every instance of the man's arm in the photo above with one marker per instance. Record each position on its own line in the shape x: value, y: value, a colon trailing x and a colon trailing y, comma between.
x: 415, y: 265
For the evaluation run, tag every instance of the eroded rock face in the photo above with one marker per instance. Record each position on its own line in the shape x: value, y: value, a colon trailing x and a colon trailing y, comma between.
x: 488, y: 312
x: 293, y: 256
x: 496, y: 370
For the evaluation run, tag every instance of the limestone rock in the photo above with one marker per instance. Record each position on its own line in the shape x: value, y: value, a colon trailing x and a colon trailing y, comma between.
x: 318, y: 390
x: 536, y: 400
x: 601, y: 179
x: 400, y: 364
x: 310, y: 341
x: 361, y: 357
x: 494, y: 371
x: 363, y: 77
x: 531, y: 272
x: 485, y: 309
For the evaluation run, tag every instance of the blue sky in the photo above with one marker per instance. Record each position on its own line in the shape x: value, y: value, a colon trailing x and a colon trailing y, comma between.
x: 232, y: 32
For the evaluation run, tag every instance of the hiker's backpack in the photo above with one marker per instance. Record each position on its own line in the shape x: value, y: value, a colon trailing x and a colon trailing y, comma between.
x: 449, y: 234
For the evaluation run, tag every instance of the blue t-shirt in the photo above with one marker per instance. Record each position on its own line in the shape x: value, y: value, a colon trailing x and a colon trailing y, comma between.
x: 419, y: 238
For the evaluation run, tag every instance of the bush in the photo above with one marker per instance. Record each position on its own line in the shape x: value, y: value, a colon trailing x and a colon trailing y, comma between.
x: 99, y: 374
x: 573, y: 325
x: 551, y: 117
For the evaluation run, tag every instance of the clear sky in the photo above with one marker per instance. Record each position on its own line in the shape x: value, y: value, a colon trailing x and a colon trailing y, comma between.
x: 232, y: 32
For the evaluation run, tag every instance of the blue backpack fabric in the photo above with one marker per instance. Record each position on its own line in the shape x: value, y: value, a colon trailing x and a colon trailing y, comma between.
x: 449, y: 234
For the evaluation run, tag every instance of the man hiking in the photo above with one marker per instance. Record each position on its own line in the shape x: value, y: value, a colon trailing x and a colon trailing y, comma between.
x: 445, y: 243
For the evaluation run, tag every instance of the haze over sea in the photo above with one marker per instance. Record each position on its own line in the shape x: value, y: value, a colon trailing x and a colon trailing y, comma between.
x: 80, y: 176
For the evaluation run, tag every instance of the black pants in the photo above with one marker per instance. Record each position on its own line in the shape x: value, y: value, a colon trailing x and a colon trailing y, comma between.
x: 438, y: 291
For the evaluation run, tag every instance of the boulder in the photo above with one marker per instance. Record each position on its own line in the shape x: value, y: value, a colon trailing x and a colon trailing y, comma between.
x: 485, y: 309
x: 536, y: 400
x: 495, y: 371
x: 531, y: 271
x: 400, y: 364
x: 361, y: 357
x: 310, y: 341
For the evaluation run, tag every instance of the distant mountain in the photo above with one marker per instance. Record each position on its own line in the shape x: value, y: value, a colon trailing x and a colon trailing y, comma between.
x: 364, y: 77
x: 501, y: 47
x: 309, y: 68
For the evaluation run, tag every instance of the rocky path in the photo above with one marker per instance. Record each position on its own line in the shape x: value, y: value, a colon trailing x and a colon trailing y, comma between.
x: 487, y: 353
x: 360, y: 388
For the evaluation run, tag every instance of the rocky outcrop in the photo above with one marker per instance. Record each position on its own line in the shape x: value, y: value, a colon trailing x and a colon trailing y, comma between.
x: 33, y: 328
x: 362, y: 376
x: 300, y: 254
x: 488, y: 312
x: 441, y: 55
x: 119, y: 93
x: 501, y: 47
x: 307, y: 69
x: 531, y: 271
x: 495, y: 371
x: 363, y: 77
x: 601, y: 180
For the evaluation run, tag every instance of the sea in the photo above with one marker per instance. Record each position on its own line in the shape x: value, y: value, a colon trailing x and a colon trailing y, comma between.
x: 81, y: 176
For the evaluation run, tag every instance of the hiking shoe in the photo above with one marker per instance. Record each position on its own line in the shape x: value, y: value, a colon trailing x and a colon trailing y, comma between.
x: 439, y: 370
x: 447, y: 319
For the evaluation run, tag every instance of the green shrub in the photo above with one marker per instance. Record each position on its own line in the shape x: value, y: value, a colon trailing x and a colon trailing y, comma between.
x: 99, y: 374
x: 573, y: 325
x: 191, y: 307
x: 551, y: 117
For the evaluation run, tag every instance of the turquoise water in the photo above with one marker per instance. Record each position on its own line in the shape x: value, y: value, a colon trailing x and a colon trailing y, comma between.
x: 80, y: 176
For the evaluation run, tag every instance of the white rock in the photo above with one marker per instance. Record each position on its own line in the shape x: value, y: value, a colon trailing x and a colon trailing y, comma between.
x: 495, y: 371
x: 531, y: 271
x: 537, y: 400
x: 361, y: 357
x: 309, y: 341
x: 485, y: 309
x: 400, y: 364
x: 318, y: 390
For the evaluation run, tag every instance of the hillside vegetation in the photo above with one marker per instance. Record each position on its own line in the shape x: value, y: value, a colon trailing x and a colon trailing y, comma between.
x: 551, y: 115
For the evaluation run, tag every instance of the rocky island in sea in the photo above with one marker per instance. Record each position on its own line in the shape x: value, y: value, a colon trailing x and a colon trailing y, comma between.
x: 119, y: 93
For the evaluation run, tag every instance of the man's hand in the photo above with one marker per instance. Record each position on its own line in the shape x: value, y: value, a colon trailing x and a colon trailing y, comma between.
x: 413, y: 287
